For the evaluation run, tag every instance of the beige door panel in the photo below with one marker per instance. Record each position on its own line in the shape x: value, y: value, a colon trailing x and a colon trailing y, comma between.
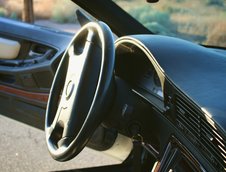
x: 9, y: 49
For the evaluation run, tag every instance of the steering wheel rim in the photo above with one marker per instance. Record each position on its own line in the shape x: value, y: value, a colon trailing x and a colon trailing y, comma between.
x: 81, y: 91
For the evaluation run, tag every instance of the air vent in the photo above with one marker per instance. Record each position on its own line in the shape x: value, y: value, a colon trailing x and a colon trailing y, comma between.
x: 201, y: 133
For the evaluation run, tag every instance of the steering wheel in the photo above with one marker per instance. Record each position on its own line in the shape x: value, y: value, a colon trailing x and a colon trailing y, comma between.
x: 81, y: 91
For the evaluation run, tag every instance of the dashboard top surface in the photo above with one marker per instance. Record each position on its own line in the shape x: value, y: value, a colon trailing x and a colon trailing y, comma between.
x: 199, y: 72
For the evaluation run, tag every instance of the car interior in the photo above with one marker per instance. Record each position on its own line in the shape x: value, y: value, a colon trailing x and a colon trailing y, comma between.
x: 156, y: 103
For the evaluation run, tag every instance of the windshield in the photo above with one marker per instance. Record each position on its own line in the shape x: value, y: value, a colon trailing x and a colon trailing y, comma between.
x: 203, y: 22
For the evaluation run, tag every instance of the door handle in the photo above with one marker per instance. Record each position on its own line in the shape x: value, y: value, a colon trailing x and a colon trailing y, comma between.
x: 47, y: 56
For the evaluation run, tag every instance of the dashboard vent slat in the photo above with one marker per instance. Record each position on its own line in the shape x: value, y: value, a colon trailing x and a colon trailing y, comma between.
x: 191, y: 120
x: 201, y: 132
x: 188, y: 125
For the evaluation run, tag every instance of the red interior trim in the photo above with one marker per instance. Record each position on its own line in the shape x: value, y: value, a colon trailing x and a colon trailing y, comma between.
x: 43, y: 97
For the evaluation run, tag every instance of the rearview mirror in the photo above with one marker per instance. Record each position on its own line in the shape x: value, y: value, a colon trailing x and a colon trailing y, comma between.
x: 152, y: 1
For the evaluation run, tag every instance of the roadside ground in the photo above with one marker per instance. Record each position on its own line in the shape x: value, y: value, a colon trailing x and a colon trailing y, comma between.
x: 23, y: 148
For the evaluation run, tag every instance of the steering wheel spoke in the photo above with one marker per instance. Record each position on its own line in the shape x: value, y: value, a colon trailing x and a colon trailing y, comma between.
x: 76, y: 65
x: 57, y: 122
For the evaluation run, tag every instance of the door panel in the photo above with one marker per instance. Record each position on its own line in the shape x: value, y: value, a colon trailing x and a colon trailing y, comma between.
x: 25, y: 80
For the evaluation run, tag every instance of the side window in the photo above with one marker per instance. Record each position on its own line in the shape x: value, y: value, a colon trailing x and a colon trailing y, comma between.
x: 57, y: 14
x: 7, y: 9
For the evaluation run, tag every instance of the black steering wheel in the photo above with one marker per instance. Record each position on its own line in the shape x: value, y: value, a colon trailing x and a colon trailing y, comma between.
x: 81, y: 91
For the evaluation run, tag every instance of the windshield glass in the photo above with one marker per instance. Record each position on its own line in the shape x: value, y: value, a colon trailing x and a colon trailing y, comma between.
x: 203, y: 22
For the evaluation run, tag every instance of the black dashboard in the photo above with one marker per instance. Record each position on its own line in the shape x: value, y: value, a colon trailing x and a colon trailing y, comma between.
x: 183, y: 86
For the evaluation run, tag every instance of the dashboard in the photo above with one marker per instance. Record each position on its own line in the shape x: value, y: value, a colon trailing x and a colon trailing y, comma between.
x: 172, y: 117
x: 134, y: 67
x: 149, y: 81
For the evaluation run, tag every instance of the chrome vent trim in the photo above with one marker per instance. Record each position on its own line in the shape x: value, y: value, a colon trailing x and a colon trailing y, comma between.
x: 201, y: 133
